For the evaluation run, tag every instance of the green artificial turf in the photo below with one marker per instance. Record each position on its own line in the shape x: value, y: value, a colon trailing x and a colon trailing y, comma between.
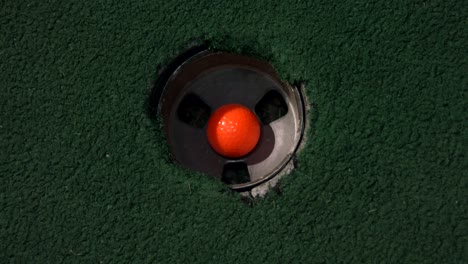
x: 84, y: 171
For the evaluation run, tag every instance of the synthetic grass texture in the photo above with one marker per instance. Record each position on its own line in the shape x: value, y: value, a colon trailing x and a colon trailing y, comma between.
x: 85, y: 174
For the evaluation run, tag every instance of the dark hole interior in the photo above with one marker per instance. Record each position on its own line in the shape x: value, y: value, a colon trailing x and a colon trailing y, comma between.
x: 193, y: 111
x: 271, y: 107
x: 235, y: 173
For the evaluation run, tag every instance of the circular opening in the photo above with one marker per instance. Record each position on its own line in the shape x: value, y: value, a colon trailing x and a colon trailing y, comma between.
x: 205, y: 80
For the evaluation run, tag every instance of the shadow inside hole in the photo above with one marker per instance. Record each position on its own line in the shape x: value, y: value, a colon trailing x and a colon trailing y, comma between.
x: 235, y: 173
x: 152, y: 103
x: 271, y: 107
x: 193, y: 111
x: 264, y: 147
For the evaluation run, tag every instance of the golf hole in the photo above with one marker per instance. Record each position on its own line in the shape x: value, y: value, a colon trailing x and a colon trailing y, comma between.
x: 202, y: 80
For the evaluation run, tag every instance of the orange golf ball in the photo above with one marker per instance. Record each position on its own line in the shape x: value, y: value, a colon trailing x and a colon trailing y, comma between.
x: 233, y: 130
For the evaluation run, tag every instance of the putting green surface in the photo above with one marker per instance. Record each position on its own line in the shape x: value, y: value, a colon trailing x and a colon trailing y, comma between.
x: 84, y: 170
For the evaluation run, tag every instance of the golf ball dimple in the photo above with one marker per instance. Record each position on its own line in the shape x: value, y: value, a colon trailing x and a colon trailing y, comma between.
x: 233, y: 130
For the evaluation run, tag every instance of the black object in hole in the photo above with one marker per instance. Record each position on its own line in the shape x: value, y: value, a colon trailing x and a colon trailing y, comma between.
x: 271, y: 107
x: 193, y: 111
x: 235, y: 173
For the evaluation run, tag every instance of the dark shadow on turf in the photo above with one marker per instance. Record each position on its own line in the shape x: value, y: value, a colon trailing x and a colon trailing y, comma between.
x: 156, y: 92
